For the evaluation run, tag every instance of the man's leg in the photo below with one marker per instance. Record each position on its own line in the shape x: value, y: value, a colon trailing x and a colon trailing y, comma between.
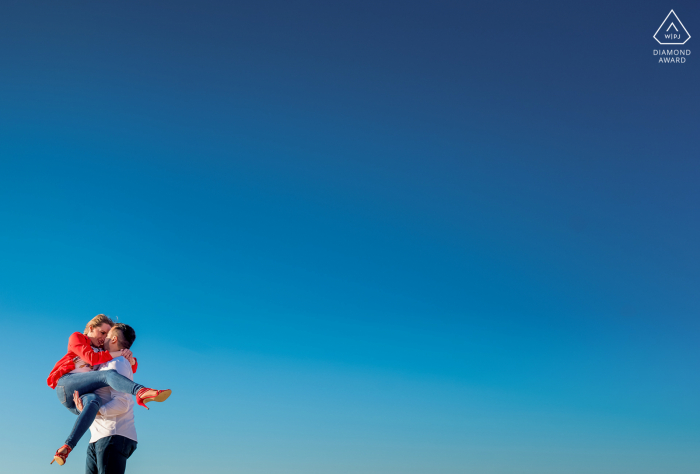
x: 91, y: 460
x: 116, y: 453
x: 99, y: 448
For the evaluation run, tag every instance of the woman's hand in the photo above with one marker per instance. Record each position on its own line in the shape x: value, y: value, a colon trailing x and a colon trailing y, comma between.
x: 127, y: 354
x: 131, y: 360
x: 78, y: 401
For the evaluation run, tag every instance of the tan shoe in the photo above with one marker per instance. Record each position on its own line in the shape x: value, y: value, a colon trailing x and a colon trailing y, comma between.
x: 60, y: 457
x: 161, y: 396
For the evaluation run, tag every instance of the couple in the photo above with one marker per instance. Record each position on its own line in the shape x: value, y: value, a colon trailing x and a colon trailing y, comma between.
x: 94, y: 380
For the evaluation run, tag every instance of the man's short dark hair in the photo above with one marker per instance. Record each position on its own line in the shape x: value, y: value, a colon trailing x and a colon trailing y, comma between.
x: 126, y: 335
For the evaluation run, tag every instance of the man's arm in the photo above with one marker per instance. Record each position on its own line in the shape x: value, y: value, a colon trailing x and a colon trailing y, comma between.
x: 118, y: 405
x: 114, y: 407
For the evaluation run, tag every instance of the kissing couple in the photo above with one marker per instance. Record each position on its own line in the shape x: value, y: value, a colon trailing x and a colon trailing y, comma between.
x: 94, y: 380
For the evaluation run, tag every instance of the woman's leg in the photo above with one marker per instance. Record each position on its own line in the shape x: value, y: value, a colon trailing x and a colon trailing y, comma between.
x: 91, y: 405
x: 88, y: 382
x: 118, y: 382
x: 64, y: 399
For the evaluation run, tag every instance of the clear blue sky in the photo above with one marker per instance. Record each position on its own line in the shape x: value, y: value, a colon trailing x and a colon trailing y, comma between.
x: 357, y: 237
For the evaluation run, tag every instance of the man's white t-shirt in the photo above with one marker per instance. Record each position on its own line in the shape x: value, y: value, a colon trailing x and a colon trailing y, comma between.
x: 116, y: 416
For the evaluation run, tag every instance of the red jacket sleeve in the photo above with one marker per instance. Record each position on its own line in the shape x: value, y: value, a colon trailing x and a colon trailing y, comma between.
x: 79, y: 344
x: 135, y: 366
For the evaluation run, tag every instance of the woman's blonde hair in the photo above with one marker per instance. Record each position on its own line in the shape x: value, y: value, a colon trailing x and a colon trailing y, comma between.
x: 98, y: 321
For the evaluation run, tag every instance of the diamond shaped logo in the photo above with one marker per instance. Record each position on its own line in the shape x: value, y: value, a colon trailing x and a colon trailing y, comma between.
x: 672, y: 31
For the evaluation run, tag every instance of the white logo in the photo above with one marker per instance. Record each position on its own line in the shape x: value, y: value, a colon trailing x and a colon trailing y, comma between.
x: 672, y: 31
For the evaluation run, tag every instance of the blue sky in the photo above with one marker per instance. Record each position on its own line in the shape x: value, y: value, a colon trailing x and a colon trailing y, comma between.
x: 371, y: 237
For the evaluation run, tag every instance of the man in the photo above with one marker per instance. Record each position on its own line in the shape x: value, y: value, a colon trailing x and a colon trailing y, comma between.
x: 113, y: 434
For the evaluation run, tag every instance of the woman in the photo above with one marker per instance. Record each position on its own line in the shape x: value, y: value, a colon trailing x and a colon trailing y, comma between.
x: 74, y: 373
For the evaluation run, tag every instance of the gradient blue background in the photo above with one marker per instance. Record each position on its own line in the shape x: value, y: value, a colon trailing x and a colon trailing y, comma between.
x: 357, y: 237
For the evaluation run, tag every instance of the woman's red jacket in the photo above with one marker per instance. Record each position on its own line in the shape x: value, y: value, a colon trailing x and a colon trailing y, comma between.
x: 78, y: 346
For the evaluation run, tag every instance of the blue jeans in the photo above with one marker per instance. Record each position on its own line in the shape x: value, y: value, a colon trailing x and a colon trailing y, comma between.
x: 86, y: 383
x: 108, y: 455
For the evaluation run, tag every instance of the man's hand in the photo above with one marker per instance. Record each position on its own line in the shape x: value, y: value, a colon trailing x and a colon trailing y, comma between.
x: 127, y: 354
x: 78, y: 401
